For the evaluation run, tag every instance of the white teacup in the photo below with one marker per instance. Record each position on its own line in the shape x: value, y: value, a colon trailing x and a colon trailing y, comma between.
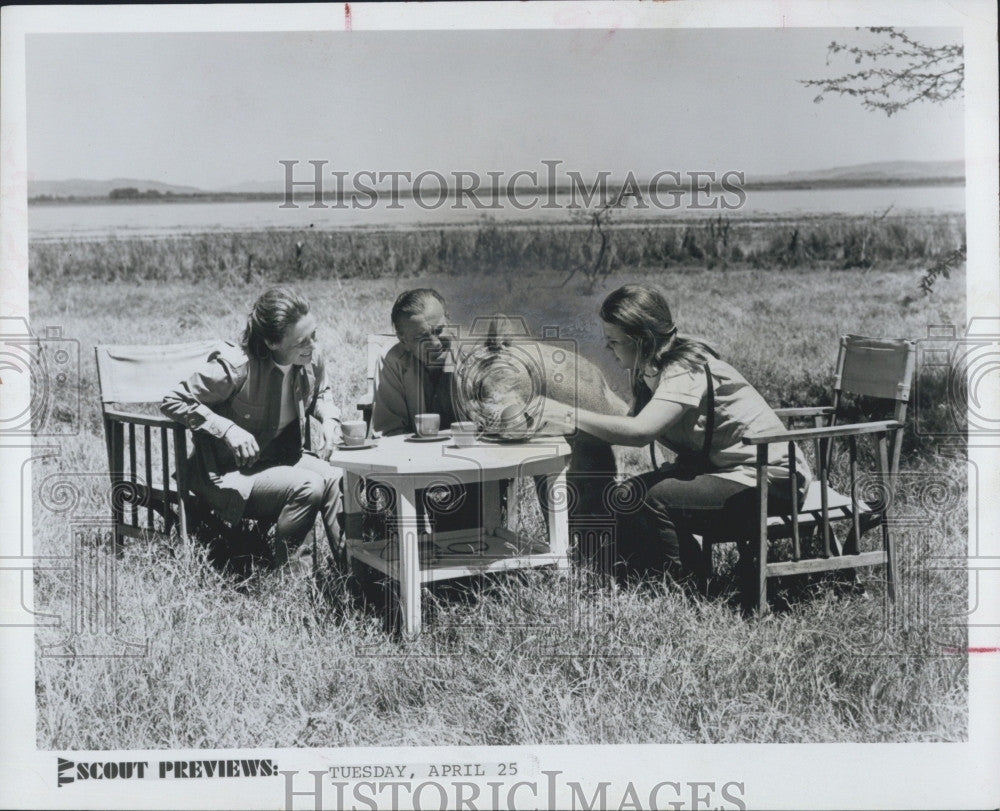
x: 464, y: 433
x: 427, y: 424
x: 355, y: 432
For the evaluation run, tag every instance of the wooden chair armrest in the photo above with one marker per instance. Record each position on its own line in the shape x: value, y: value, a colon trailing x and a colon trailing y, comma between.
x: 141, y: 419
x: 808, y: 411
x: 851, y: 429
x: 367, y: 410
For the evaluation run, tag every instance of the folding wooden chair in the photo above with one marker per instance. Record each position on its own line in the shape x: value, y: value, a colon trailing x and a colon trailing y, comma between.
x: 132, y: 381
x: 867, y: 367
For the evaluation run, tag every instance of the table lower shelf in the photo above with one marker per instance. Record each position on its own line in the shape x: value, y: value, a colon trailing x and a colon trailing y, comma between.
x: 458, y: 554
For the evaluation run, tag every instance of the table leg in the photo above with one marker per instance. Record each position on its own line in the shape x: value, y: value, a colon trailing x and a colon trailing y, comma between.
x: 492, y: 505
x: 352, y: 508
x: 558, y: 519
x: 408, y: 540
x: 428, y: 527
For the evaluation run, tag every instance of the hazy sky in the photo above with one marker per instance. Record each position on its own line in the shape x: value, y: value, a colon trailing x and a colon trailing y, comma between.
x: 217, y: 109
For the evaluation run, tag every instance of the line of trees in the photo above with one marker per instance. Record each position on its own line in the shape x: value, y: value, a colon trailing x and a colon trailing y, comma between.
x: 132, y: 193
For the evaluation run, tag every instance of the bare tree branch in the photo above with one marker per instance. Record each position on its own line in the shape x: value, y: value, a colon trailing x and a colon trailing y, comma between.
x: 896, y: 73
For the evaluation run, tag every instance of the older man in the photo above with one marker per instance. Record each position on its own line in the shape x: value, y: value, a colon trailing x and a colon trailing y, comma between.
x: 415, y: 376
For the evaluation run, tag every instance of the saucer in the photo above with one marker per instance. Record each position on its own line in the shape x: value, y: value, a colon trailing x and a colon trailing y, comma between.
x: 435, y: 438
x: 368, y: 443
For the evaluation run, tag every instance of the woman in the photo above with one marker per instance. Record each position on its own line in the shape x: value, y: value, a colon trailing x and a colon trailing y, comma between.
x: 698, y: 406
x: 249, y: 412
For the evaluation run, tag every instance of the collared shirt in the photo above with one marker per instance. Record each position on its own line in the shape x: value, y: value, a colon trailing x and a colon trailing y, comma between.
x: 404, y: 387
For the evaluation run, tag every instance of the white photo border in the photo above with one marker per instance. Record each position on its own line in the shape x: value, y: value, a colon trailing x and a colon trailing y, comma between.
x: 956, y: 775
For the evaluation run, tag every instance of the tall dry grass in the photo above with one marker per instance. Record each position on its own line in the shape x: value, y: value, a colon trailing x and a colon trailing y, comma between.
x: 836, y: 242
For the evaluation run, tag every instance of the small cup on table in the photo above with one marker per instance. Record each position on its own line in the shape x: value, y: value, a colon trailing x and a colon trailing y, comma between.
x: 355, y: 432
x: 464, y: 434
x: 427, y: 425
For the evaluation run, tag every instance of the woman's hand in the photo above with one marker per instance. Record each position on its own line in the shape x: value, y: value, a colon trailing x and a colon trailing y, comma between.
x: 650, y: 423
x: 243, y: 444
x: 556, y: 418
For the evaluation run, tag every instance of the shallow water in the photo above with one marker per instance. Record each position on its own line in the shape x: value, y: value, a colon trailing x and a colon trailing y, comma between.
x: 100, y: 220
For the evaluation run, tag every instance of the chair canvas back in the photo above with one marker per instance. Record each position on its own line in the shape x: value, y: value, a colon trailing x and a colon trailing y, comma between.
x: 131, y: 373
x: 138, y: 376
x: 876, y: 367
x: 379, y: 343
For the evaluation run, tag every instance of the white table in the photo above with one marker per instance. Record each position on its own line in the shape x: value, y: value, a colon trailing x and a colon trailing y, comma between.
x: 409, y: 466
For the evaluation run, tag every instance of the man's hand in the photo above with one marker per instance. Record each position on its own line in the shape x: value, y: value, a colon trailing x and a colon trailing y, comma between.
x: 332, y: 436
x: 243, y: 445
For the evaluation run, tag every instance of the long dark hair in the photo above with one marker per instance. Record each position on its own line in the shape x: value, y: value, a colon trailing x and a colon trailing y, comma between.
x: 642, y: 313
x: 272, y: 315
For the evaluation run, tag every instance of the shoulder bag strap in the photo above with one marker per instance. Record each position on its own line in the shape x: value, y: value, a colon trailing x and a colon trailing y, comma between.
x: 706, y: 449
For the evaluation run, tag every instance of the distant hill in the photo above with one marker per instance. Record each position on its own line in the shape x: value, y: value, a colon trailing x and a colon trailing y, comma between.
x: 101, y: 188
x: 867, y: 172
x: 883, y: 172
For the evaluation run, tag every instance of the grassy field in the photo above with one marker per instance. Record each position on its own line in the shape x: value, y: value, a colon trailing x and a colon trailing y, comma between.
x: 531, y: 658
x: 836, y: 242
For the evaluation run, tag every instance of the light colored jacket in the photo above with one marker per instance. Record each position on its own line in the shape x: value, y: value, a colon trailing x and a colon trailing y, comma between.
x: 401, y: 392
x: 233, y: 389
